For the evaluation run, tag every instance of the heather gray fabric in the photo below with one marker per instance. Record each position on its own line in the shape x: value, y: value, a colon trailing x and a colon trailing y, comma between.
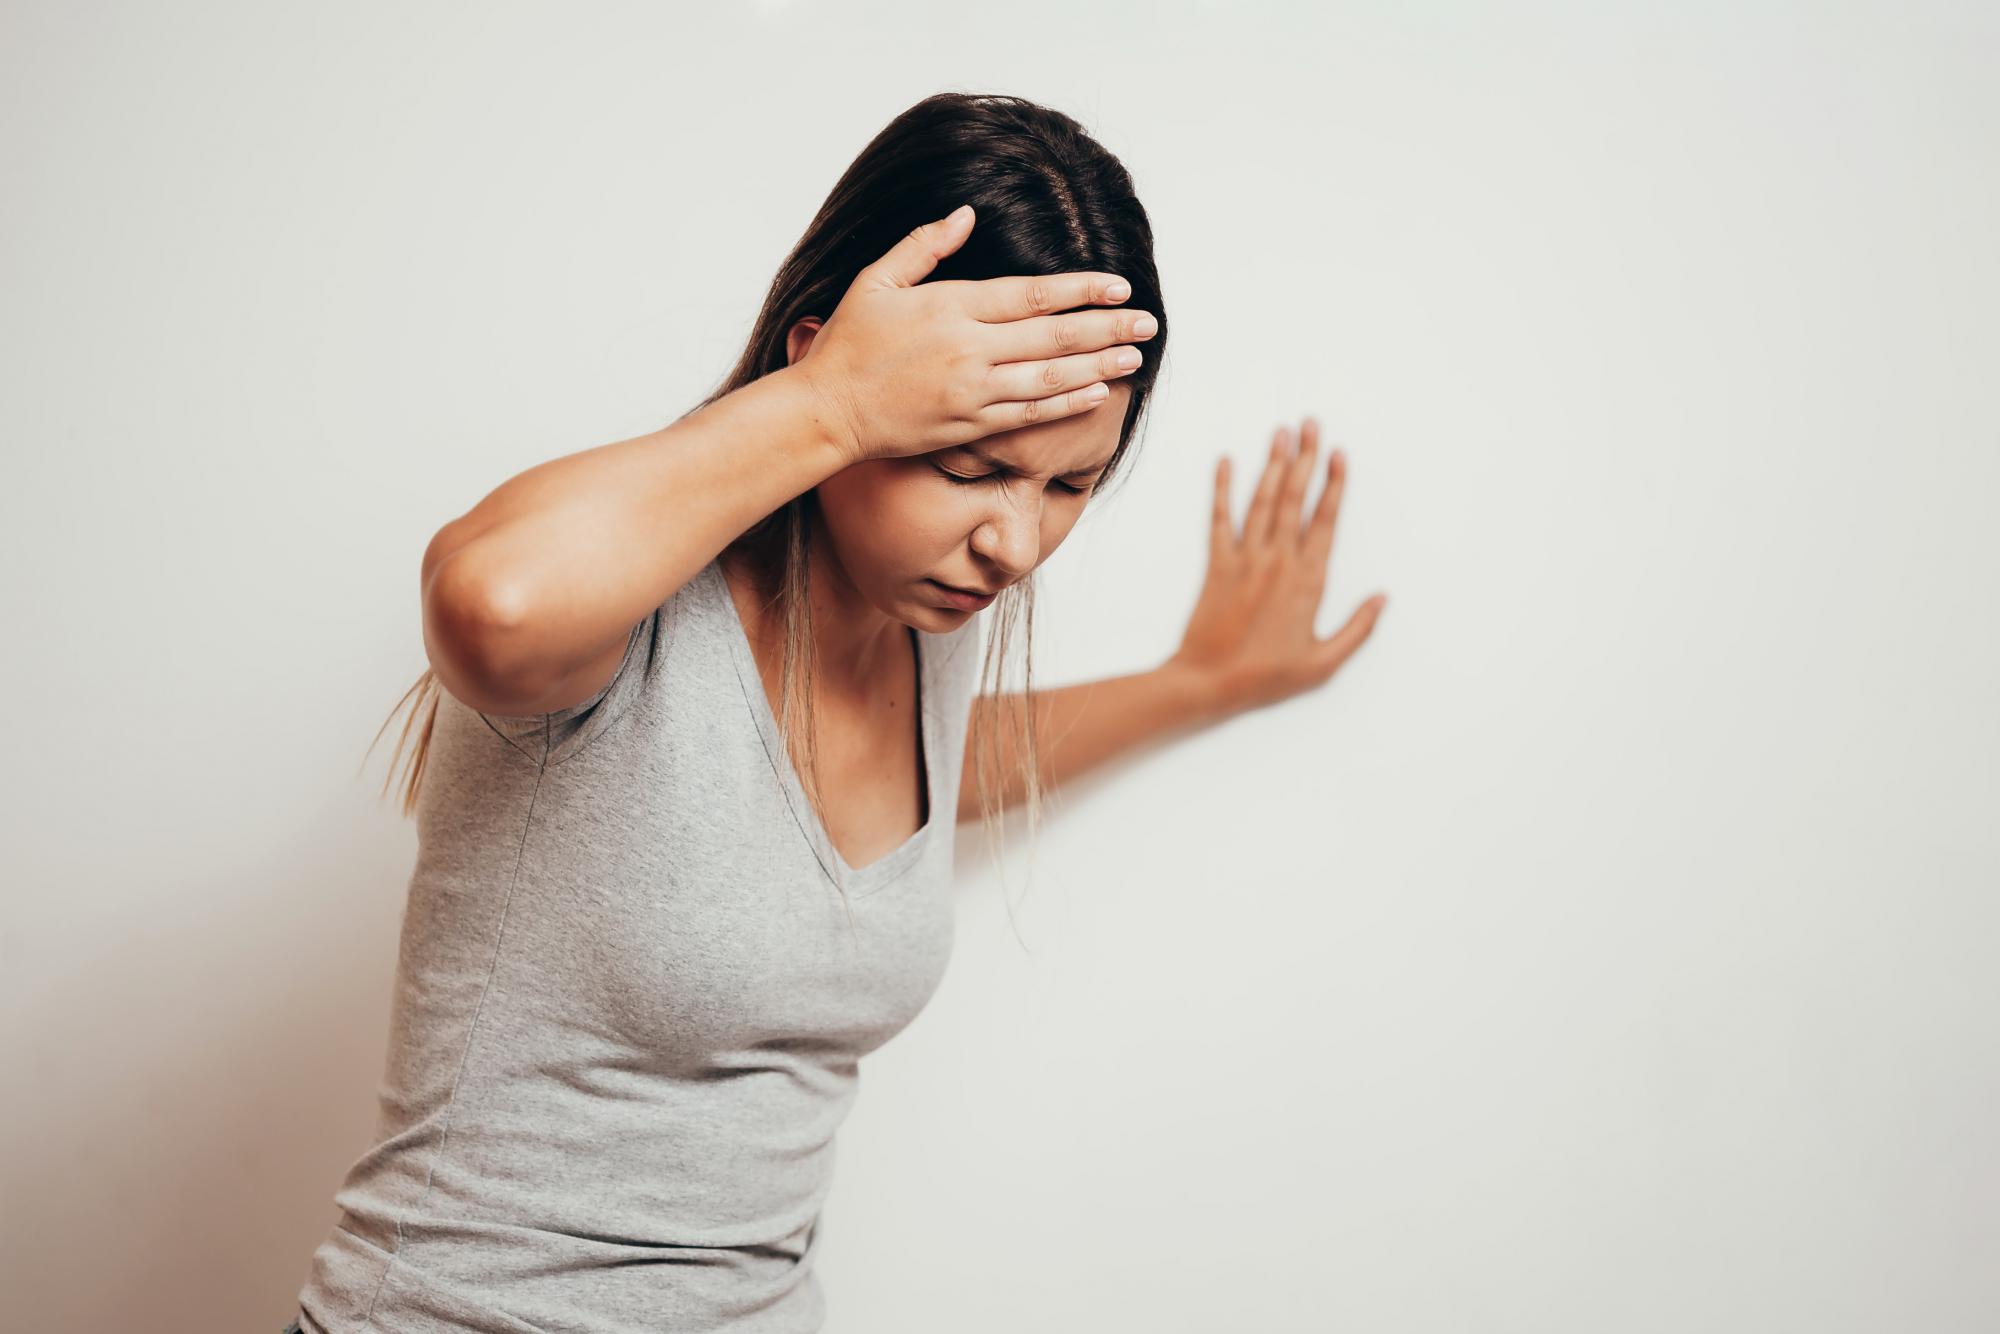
x: 629, y: 1006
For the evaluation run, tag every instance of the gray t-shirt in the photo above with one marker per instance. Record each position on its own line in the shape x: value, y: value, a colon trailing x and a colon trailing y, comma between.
x: 630, y: 1005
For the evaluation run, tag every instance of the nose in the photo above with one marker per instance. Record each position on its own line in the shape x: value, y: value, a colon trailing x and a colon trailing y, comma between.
x: 1011, y: 538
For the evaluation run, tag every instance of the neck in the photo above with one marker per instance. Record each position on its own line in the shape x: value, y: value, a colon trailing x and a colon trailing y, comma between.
x: 855, y: 641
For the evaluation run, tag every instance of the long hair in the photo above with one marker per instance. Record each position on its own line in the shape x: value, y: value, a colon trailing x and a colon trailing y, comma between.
x: 1049, y: 199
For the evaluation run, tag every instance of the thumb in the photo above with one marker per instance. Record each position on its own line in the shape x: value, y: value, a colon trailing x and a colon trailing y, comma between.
x: 911, y: 260
x: 1338, y: 647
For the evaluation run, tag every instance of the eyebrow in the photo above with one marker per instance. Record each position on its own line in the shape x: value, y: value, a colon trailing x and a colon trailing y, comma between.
x: 1071, y: 475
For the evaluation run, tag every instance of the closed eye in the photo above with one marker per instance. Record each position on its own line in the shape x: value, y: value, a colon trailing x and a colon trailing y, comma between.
x: 960, y: 480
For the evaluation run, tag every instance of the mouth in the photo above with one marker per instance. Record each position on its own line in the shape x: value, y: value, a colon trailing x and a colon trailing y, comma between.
x: 966, y: 599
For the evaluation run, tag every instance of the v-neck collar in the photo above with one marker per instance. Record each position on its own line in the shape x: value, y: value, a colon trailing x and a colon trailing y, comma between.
x: 890, y: 865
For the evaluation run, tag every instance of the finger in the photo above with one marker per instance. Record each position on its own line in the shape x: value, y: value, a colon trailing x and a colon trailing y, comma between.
x: 1020, y: 296
x: 1012, y: 415
x: 1221, y: 532
x: 1338, y: 647
x: 1292, y: 495
x: 1074, y: 331
x: 1318, y: 545
x: 912, y: 259
x: 1038, y: 379
x: 1257, y: 523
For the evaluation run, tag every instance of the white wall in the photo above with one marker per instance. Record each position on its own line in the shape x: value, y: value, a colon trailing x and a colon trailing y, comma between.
x: 1606, y: 948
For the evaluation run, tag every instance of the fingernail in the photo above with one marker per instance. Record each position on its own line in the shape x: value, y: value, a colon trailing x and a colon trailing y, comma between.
x: 1117, y: 289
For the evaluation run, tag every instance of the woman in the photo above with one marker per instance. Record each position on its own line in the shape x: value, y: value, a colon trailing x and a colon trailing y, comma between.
x: 655, y: 921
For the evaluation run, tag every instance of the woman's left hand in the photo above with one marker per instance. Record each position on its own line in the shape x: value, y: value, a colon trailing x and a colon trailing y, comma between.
x: 1251, y: 634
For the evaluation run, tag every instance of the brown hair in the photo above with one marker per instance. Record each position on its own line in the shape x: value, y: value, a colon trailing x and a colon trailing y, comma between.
x: 1049, y: 199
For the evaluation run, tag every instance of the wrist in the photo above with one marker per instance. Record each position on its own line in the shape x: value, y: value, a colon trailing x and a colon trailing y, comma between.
x: 1204, y: 695
x: 828, y: 423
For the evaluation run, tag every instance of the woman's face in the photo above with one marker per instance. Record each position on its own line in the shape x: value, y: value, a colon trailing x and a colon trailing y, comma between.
x: 979, y: 516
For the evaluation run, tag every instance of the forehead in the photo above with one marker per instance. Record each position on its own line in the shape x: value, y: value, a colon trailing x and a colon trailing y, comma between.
x: 1083, y: 442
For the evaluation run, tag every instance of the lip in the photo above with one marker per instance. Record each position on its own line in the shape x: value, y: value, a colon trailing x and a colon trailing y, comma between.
x: 961, y: 599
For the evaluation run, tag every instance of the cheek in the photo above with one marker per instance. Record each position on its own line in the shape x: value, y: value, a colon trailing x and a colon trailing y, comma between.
x: 892, y: 512
x: 856, y: 510
x: 1057, y: 522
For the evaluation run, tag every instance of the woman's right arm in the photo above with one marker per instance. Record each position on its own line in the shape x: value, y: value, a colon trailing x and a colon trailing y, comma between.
x: 530, y: 597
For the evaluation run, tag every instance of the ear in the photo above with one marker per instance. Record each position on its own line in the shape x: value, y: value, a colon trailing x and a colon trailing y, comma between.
x: 800, y: 338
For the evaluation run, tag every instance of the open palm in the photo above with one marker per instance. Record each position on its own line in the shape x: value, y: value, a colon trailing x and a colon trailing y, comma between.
x: 1251, y: 632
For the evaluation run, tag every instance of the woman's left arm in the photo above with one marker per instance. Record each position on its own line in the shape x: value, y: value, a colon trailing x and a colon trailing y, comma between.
x: 1080, y: 727
x: 1249, y: 641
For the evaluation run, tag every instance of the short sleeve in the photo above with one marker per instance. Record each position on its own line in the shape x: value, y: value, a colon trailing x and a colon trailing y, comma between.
x: 551, y: 738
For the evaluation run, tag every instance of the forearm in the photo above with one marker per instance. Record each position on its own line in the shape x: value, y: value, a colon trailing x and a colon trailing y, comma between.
x: 566, y: 557
x: 1080, y: 727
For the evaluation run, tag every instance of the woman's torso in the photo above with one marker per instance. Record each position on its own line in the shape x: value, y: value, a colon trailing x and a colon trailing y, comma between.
x: 630, y: 1005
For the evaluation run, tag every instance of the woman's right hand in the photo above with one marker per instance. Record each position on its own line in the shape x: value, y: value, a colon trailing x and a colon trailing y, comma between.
x: 906, y: 367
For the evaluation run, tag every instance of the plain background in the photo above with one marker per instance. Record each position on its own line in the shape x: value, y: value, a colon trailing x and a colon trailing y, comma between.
x: 1608, y: 947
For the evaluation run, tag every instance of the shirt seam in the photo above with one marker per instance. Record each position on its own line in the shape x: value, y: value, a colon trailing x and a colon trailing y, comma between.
x: 464, y: 1056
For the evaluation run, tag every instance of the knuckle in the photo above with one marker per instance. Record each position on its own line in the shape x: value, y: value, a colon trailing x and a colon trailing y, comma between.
x: 1052, y: 375
x: 1041, y: 296
x: 957, y: 400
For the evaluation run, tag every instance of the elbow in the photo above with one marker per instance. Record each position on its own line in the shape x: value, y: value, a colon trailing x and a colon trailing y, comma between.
x: 470, y: 624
